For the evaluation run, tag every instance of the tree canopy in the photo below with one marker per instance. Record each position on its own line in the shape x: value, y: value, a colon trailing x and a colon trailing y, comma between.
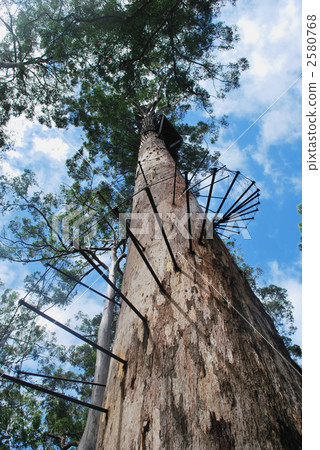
x: 29, y: 419
x: 91, y: 64
x: 88, y: 63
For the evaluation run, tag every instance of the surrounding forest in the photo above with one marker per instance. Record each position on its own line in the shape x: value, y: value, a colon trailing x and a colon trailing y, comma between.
x: 97, y: 65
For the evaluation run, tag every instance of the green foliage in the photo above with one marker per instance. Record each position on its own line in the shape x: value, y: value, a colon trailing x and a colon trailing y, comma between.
x: 21, y: 340
x: 29, y: 419
x: 20, y: 418
x: 89, y: 63
x: 252, y: 274
x: 280, y: 309
x: 33, y: 235
x: 274, y: 299
x: 51, y: 228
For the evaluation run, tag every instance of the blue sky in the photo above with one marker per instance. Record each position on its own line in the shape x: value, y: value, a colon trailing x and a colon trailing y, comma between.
x: 263, y: 141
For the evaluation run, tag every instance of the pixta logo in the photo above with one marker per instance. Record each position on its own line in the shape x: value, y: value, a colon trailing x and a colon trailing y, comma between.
x: 149, y: 224
x: 74, y: 224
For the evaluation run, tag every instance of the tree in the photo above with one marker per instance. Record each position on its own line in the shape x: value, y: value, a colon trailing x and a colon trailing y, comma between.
x: 41, y: 54
x: 37, y: 236
x: 29, y: 419
x: 128, y: 54
x: 186, y: 381
x: 64, y: 422
x: 147, y: 58
x: 280, y: 309
x: 18, y: 340
x: 104, y: 339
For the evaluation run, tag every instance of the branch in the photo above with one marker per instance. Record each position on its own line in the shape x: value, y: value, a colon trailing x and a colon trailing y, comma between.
x: 139, y: 10
x: 64, y: 446
x: 9, y: 65
x: 30, y: 205
x: 121, y: 242
x: 80, y: 279
x: 156, y: 31
x: 77, y: 19
x: 172, y: 106
x: 119, y: 260
x: 94, y: 256
x: 49, y: 258
x: 18, y: 65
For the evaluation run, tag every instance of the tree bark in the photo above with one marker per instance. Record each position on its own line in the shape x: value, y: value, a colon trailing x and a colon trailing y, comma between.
x: 89, y: 437
x: 210, y: 371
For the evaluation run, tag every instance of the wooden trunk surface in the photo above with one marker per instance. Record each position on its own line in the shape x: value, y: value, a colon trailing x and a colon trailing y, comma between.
x: 210, y: 372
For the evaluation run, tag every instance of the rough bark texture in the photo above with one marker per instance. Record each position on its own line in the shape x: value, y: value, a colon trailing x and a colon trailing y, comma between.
x: 89, y: 438
x: 210, y: 372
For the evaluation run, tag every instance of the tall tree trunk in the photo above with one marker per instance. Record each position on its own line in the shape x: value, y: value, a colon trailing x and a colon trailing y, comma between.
x: 210, y: 370
x: 89, y: 437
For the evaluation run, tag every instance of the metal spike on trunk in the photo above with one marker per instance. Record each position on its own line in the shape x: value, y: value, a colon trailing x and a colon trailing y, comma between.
x: 83, y: 284
x: 50, y: 392
x: 157, y: 216
x: 69, y: 330
x: 207, y: 205
x: 104, y: 276
x: 212, y: 372
x: 188, y: 211
x: 53, y: 377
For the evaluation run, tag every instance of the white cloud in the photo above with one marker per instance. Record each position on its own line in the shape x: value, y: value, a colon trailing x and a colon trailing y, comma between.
x: 14, y: 154
x: 234, y: 157
x: 250, y: 30
x: 82, y: 302
x: 260, y: 66
x: 290, y: 14
x: 268, y: 102
x: 278, y: 143
x: 7, y: 275
x: 281, y: 124
x: 17, y: 127
x: 10, y: 276
x: 274, y: 56
x: 9, y: 170
x: 41, y: 149
x: 55, y: 148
